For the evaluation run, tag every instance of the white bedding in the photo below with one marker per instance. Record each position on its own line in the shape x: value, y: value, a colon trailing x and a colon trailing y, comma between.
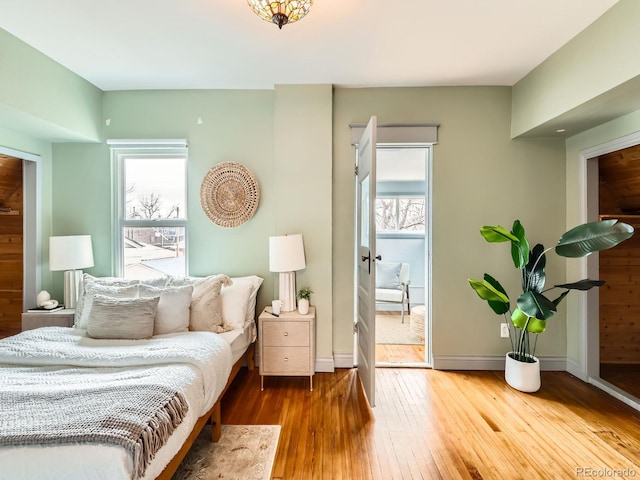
x: 207, y: 354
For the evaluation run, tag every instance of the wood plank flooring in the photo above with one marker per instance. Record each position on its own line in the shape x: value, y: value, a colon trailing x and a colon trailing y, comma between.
x: 624, y: 376
x: 439, y: 425
x: 399, y: 353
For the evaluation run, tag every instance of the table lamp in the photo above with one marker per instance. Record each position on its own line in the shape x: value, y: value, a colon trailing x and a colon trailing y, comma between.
x: 70, y: 253
x: 286, y: 256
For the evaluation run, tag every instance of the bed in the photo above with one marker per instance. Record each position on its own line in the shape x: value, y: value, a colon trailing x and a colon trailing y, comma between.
x: 185, y: 372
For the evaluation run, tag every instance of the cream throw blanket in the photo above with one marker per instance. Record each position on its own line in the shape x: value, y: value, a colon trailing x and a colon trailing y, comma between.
x: 127, y: 399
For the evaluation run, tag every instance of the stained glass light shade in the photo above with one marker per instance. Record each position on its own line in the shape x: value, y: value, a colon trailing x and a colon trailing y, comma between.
x: 281, y: 12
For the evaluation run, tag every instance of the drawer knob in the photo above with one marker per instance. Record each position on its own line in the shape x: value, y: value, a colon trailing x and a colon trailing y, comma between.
x: 286, y: 334
x: 286, y: 359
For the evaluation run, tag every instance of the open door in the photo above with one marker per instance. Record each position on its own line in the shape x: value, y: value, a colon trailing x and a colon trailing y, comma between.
x: 366, y: 247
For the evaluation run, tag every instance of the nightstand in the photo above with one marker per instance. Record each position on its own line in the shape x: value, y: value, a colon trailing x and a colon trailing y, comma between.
x: 287, y: 344
x: 59, y: 318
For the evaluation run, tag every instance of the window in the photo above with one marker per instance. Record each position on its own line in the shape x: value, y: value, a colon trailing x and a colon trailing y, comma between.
x: 400, y: 214
x: 151, y: 211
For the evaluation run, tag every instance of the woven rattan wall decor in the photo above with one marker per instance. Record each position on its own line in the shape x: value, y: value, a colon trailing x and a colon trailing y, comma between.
x: 229, y: 194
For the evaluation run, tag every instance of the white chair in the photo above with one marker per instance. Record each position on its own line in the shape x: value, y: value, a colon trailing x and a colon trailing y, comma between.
x: 392, y: 285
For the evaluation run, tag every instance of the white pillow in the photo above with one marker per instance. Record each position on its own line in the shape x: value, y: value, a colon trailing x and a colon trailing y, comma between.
x: 92, y: 289
x: 155, y: 282
x: 388, y: 275
x: 127, y: 318
x: 182, y: 281
x: 88, y: 280
x: 172, y: 315
x: 239, y: 301
x: 206, y: 304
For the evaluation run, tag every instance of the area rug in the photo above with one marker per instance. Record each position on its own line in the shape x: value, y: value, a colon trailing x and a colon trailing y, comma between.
x: 244, y: 452
x: 390, y: 330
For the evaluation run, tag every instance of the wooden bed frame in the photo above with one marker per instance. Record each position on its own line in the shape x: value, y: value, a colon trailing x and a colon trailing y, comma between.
x: 213, y: 416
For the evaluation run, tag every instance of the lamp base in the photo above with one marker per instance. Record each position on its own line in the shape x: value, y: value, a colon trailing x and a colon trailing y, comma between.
x: 72, y: 280
x: 287, y: 290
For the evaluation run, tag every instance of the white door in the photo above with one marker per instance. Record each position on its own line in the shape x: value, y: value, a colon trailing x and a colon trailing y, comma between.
x: 366, y: 247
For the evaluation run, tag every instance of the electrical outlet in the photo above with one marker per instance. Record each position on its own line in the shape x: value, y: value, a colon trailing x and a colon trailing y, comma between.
x: 504, y: 330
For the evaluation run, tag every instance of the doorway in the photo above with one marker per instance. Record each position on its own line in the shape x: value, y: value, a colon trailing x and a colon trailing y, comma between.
x: 402, y: 210
x: 596, y: 321
x: 619, y: 197
x: 11, y: 245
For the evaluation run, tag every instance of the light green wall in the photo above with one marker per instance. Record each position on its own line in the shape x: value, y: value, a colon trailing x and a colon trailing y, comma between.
x: 596, y: 61
x: 302, y: 187
x: 282, y: 136
x: 44, y: 96
x: 480, y: 176
x: 236, y: 126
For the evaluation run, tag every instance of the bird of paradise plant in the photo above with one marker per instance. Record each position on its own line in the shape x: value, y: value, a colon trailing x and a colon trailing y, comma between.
x: 534, y: 307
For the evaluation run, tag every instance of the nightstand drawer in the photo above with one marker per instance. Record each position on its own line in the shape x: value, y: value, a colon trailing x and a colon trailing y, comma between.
x: 284, y: 334
x: 286, y: 361
x: 59, y: 318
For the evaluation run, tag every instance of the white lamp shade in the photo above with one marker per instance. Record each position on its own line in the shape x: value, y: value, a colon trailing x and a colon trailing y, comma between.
x: 286, y: 253
x: 70, y: 252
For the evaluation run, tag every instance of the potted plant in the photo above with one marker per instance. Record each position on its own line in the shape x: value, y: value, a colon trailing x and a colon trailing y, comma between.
x: 304, y: 295
x: 534, y: 307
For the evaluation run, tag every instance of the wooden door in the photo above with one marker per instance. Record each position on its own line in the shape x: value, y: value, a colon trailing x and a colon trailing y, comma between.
x: 11, y: 245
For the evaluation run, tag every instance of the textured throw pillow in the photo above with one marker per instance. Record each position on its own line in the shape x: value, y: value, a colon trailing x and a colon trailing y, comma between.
x: 92, y: 289
x: 155, y: 282
x: 388, y: 275
x: 122, y: 318
x: 182, y: 281
x: 206, y: 304
x: 239, y: 301
x: 89, y: 280
x: 172, y: 315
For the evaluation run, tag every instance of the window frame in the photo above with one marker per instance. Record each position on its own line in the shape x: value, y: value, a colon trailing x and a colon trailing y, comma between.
x: 120, y: 222
x: 397, y: 197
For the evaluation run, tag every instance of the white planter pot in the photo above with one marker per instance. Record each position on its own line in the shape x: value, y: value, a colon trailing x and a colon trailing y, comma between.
x: 522, y: 376
x: 303, y: 306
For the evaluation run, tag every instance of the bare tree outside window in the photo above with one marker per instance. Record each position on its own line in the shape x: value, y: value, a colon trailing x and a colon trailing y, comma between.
x: 396, y: 214
x: 154, y: 225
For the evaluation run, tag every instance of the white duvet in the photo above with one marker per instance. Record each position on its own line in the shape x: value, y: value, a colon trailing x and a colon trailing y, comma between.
x: 205, y: 354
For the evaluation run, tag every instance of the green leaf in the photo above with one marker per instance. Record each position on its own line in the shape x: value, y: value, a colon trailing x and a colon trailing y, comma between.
x: 536, y: 305
x: 492, y: 294
x: 519, y: 318
x: 498, y: 306
x: 557, y: 301
x: 519, y: 247
x: 583, y: 285
x: 536, y: 325
x: 591, y: 237
x: 533, y: 276
x: 497, y: 234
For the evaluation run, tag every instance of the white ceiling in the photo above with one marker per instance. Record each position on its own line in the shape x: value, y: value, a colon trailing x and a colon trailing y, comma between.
x: 167, y: 44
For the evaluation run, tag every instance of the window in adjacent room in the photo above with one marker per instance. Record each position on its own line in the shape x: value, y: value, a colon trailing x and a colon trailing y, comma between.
x: 151, y: 225
x: 400, y: 214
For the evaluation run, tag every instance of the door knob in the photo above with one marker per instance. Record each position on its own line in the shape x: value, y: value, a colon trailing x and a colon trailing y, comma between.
x: 378, y: 257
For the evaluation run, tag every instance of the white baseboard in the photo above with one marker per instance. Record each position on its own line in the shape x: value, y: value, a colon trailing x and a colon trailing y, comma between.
x: 574, y: 369
x: 325, y: 364
x: 491, y: 362
x: 343, y: 359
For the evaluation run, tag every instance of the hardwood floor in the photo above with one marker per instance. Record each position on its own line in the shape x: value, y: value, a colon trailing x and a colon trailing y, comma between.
x: 624, y: 376
x: 439, y: 425
x: 399, y: 353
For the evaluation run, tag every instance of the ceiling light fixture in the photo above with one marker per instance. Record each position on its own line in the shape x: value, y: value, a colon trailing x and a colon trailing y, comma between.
x: 281, y: 12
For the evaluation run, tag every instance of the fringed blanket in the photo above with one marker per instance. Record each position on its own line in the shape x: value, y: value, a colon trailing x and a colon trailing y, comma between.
x: 130, y: 397
x: 137, y: 415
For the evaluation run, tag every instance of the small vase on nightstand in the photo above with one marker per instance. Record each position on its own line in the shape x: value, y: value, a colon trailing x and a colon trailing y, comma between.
x: 303, y: 306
